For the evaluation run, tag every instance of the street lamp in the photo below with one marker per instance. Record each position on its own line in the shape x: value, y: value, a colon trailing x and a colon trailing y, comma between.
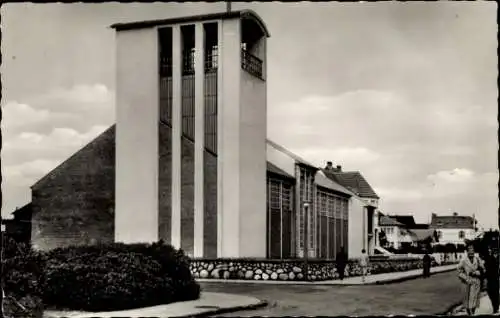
x: 306, y: 238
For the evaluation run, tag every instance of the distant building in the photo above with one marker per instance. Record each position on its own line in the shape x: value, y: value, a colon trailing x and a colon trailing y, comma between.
x: 401, y: 231
x: 454, y: 229
x: 365, y: 201
x: 396, y: 233
x: 19, y: 227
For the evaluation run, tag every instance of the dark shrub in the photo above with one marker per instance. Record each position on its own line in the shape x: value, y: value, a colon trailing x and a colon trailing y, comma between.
x: 118, y: 276
x: 23, y: 279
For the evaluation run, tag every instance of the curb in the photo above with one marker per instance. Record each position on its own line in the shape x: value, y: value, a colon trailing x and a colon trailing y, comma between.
x: 322, y: 283
x: 402, y: 279
x: 451, y: 309
x: 389, y: 281
x: 261, y: 303
x: 454, y: 309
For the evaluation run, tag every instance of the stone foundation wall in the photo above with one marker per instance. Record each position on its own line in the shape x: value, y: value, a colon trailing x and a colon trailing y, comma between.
x: 292, y: 269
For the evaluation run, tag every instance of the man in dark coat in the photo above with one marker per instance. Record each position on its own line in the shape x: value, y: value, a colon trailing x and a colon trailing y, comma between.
x: 492, y: 280
x: 341, y: 262
x: 427, y: 265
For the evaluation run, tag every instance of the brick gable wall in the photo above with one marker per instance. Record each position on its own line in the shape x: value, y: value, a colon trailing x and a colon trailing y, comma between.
x: 74, y: 203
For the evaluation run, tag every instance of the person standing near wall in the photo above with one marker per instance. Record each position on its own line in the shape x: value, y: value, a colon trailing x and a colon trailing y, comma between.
x: 341, y: 262
x: 426, y: 265
x: 492, y: 279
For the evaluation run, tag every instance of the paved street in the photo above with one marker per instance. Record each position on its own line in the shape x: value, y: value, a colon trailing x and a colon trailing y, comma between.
x: 414, y: 297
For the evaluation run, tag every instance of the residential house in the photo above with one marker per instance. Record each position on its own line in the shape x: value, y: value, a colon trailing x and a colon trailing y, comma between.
x: 401, y: 231
x: 396, y: 233
x: 19, y: 227
x: 454, y: 229
x: 364, y: 208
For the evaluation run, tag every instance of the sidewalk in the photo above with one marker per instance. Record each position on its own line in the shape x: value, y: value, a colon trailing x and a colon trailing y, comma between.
x: 370, y: 280
x: 207, y: 304
x: 484, y: 308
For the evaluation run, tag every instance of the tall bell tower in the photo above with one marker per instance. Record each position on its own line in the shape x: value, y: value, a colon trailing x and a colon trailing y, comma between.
x: 191, y: 133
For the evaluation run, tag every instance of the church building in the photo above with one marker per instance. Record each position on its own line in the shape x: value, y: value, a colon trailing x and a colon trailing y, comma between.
x: 188, y: 160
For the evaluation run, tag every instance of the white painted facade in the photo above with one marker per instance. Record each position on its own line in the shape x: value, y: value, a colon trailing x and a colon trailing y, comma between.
x: 137, y: 91
x: 358, y: 227
x: 454, y: 236
x: 396, y: 235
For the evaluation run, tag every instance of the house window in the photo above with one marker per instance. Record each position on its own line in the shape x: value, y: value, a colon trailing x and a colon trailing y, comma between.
x: 461, y: 235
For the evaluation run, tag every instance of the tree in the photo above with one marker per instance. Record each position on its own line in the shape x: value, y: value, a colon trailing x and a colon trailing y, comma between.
x: 490, y: 239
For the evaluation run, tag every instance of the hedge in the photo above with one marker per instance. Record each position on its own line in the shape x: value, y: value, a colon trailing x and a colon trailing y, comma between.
x: 93, y: 278
x: 23, y: 279
x: 117, y: 277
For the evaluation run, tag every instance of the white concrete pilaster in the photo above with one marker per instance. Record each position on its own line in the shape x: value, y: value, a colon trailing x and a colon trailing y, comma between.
x: 220, y: 134
x: 199, y: 140
x: 176, y: 135
x: 136, y: 179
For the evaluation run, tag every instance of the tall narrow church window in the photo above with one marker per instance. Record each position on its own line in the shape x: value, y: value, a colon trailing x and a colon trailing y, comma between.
x: 211, y: 65
x: 165, y: 64
x: 188, y: 84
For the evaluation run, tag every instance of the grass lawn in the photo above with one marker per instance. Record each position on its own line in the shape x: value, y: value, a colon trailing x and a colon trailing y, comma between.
x: 430, y: 296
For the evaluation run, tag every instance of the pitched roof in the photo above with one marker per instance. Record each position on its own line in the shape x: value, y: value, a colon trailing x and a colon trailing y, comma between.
x: 388, y: 221
x: 274, y: 169
x: 321, y: 180
x: 243, y: 14
x: 407, y: 220
x: 26, y: 209
x: 452, y: 222
x: 290, y: 154
x: 422, y: 234
x: 354, y: 181
x: 103, y: 135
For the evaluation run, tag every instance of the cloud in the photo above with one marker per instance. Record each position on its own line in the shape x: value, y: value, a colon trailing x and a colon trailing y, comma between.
x: 43, y: 131
x: 59, y: 144
x: 79, y: 107
x: 350, y: 158
x: 398, y: 194
x: 419, y: 155
x: 25, y: 173
x: 457, y: 190
x: 17, y: 115
x: 452, y: 176
x: 29, y: 156
x: 79, y: 97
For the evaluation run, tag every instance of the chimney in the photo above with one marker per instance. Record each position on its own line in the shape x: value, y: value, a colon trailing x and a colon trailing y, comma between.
x: 329, y: 165
x: 339, y: 168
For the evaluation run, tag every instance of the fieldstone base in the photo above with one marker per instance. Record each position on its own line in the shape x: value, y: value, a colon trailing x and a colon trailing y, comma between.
x: 295, y: 270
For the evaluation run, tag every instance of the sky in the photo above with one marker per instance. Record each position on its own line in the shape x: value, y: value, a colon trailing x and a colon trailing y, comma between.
x: 404, y: 92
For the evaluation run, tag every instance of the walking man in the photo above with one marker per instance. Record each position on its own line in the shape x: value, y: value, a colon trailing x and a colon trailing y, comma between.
x: 492, y: 280
x: 363, y: 263
x: 341, y: 261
